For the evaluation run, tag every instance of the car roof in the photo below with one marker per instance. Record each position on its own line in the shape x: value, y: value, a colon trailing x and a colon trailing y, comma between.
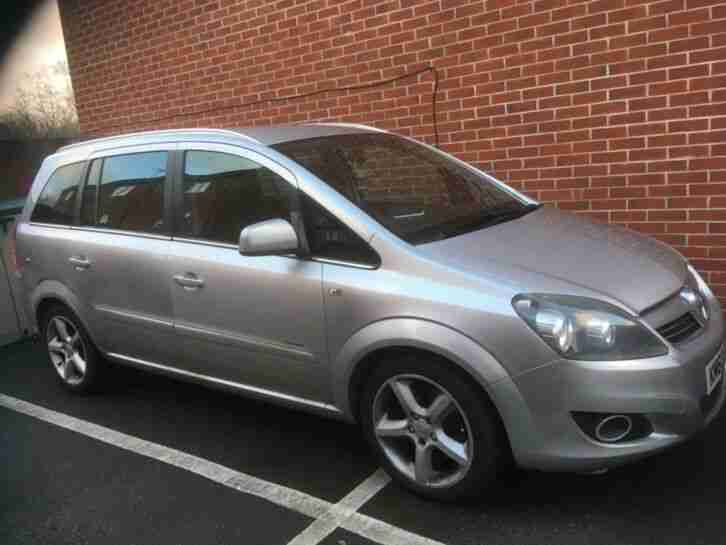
x: 263, y: 136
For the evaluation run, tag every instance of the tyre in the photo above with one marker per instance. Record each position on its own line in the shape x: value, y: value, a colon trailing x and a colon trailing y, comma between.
x: 432, y: 428
x: 76, y: 361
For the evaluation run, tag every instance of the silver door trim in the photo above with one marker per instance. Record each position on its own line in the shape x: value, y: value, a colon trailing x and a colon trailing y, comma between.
x: 246, y: 341
x: 203, y: 242
x: 344, y: 263
x: 51, y: 225
x: 123, y: 232
x: 246, y: 388
x: 134, y: 317
x: 104, y: 230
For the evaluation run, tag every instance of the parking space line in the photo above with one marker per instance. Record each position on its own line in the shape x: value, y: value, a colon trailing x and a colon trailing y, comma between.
x: 343, y: 514
x: 344, y: 509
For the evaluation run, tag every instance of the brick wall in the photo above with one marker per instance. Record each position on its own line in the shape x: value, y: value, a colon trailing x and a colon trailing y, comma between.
x: 611, y: 108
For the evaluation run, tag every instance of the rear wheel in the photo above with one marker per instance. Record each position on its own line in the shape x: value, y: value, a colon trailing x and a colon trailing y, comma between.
x: 432, y: 428
x: 72, y: 355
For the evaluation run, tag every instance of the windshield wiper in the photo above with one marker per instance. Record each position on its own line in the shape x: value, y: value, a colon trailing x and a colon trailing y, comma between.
x: 507, y: 215
x: 461, y: 226
x: 492, y: 217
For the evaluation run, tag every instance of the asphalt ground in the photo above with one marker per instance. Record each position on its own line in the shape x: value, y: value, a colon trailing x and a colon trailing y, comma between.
x: 59, y: 486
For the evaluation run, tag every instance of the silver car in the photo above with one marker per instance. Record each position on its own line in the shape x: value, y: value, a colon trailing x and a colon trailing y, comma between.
x: 355, y: 273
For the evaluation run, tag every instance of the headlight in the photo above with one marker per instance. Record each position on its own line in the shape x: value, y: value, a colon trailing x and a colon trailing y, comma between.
x: 699, y: 286
x: 580, y: 328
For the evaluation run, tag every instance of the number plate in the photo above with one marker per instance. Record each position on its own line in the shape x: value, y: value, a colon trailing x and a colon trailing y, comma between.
x: 714, y: 372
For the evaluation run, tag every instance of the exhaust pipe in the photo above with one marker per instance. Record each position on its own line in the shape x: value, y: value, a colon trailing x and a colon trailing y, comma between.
x: 614, y: 428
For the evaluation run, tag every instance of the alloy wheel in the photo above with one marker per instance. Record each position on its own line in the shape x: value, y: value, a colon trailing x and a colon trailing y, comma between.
x: 66, y: 349
x: 422, y: 430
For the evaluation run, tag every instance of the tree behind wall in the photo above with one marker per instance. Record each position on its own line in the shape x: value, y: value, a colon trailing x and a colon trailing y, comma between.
x: 44, y: 107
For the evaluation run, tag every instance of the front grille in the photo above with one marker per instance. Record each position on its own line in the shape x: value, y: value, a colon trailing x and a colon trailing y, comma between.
x: 680, y: 329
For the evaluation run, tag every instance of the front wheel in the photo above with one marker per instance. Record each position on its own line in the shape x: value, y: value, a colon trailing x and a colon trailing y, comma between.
x: 433, y: 430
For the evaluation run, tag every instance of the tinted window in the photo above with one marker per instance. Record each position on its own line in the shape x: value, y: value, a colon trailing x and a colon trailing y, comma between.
x: 224, y: 193
x: 90, y: 192
x: 419, y: 194
x: 57, y: 201
x: 131, y: 194
x: 329, y: 238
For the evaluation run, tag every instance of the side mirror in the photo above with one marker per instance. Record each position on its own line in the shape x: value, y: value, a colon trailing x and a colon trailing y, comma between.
x: 271, y: 237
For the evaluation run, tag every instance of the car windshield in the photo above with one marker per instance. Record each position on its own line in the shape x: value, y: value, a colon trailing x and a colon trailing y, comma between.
x: 419, y: 194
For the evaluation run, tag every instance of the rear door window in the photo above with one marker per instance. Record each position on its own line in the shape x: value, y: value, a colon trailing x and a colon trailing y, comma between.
x: 57, y: 201
x: 131, y: 192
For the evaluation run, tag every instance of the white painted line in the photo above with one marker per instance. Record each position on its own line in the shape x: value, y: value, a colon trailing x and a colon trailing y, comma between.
x: 274, y: 493
x: 382, y: 532
x: 343, y: 514
x: 344, y: 509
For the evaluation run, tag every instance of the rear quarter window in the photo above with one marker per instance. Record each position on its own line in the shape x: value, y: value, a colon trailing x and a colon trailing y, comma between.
x: 131, y: 192
x: 57, y: 201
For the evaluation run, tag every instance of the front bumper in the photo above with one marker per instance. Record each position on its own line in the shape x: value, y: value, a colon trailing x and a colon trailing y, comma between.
x: 670, y: 391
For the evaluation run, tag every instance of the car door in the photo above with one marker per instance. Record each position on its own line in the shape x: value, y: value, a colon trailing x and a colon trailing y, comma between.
x: 252, y: 321
x: 119, y: 251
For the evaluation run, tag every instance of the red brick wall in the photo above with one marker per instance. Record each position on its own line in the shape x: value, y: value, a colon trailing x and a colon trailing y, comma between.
x: 611, y: 108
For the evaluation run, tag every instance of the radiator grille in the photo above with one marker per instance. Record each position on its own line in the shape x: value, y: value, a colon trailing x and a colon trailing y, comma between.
x: 680, y: 329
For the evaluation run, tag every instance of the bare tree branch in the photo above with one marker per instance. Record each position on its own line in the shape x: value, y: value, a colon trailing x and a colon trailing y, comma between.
x: 44, y: 106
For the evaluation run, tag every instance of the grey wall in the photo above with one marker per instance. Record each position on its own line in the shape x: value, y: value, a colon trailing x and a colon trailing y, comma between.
x: 19, y: 162
x: 11, y: 325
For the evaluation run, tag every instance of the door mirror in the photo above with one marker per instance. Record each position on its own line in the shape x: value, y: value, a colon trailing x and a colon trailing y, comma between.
x: 271, y: 237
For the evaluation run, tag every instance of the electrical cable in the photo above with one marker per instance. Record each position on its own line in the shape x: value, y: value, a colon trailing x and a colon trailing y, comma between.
x: 360, y: 87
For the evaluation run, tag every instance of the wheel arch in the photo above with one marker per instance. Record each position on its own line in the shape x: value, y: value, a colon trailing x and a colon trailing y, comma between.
x: 52, y: 292
x: 370, y: 345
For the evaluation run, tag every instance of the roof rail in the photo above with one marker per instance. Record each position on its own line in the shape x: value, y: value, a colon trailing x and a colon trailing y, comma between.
x: 347, y: 125
x: 162, y: 132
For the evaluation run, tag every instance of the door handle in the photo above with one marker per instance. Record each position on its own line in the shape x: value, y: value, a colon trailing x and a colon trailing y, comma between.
x: 188, y: 281
x: 79, y: 262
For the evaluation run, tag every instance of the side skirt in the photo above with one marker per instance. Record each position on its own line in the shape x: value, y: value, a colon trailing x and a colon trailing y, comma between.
x: 228, y: 385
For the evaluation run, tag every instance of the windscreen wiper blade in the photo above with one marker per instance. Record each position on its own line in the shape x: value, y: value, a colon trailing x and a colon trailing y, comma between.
x: 495, y: 217
x: 457, y: 227
x: 515, y: 213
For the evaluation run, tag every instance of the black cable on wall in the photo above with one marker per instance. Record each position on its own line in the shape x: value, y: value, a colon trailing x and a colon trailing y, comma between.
x: 361, y: 87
